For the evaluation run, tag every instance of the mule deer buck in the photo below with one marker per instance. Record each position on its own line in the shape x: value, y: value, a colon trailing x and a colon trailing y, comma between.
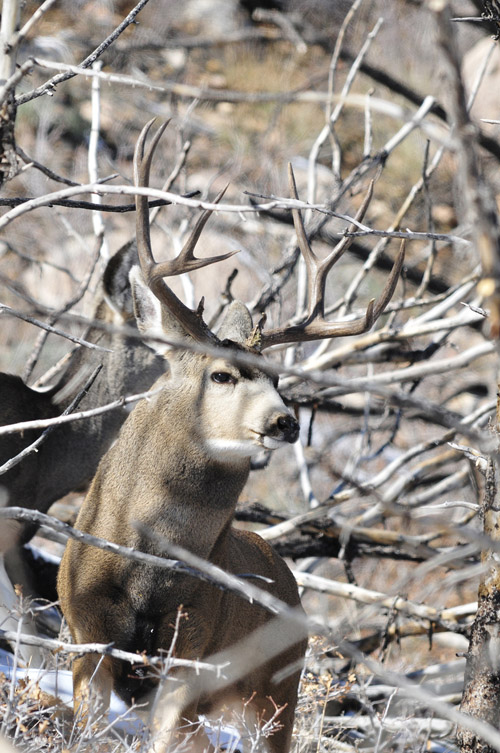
x: 68, y: 458
x: 175, y: 474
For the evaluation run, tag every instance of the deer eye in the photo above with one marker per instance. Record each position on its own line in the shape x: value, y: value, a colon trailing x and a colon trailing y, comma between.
x: 223, y: 377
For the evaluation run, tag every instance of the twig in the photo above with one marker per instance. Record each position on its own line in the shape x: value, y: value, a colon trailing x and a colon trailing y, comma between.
x: 11, y: 10
x: 49, y: 86
x: 479, y: 195
x: 277, y: 203
x: 353, y: 71
x: 305, y: 480
x: 82, y: 288
x: 368, y: 139
x: 480, y: 76
x: 32, y: 260
x: 53, y: 330
x: 45, y: 170
x: 16, y: 77
x: 379, y: 599
x: 339, y: 42
x: 434, y: 412
x: 442, y: 366
x: 166, y: 196
x: 285, y: 24
x: 97, y: 221
x: 188, y: 91
x: 82, y: 415
x: 19, y: 36
x: 119, y: 208
x: 430, y: 224
x: 185, y: 562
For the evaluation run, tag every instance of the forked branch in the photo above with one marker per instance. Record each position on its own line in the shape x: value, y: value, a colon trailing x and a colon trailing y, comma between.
x: 314, y: 326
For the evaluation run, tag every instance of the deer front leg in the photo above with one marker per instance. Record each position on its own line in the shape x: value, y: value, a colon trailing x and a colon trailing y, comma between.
x: 92, y: 686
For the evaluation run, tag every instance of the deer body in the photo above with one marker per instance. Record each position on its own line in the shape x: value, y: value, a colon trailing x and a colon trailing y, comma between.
x: 177, y: 469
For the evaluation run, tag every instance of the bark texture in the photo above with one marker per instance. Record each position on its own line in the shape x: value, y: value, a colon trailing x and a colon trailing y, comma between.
x: 8, y: 159
x: 481, y: 695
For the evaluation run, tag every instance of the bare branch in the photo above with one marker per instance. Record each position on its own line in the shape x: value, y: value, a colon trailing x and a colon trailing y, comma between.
x: 62, y: 647
x: 49, y: 86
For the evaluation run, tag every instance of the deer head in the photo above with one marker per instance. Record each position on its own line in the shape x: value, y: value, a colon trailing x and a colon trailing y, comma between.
x: 160, y: 312
x: 240, y: 412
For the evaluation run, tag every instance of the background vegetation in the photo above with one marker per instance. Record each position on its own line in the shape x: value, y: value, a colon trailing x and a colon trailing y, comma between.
x: 378, y: 505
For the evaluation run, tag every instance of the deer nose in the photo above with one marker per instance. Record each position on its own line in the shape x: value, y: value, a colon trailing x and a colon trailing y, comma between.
x: 289, y: 428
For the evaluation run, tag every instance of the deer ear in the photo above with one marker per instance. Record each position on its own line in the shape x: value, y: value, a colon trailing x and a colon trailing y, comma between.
x: 151, y: 319
x: 237, y: 323
x: 115, y: 280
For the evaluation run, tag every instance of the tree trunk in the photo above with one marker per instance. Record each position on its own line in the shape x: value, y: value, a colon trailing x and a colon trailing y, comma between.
x: 481, y: 695
x: 9, y: 24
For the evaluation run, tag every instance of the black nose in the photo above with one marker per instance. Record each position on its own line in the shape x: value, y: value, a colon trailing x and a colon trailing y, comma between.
x: 289, y: 427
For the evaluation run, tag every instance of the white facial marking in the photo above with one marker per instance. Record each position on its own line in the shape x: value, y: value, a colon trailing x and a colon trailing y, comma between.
x: 232, y: 449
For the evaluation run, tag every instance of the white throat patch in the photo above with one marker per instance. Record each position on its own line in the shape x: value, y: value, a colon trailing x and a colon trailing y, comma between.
x: 226, y: 450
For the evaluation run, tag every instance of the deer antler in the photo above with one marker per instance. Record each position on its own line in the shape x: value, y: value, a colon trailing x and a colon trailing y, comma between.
x: 314, y: 326
x: 186, y: 261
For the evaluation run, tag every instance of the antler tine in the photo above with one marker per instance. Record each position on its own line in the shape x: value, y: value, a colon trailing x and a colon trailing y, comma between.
x: 391, y: 283
x: 142, y: 166
x: 376, y: 308
x: 346, y: 241
x: 298, y: 223
x: 310, y: 258
x: 152, y: 271
x: 324, y: 267
x: 186, y: 261
x: 317, y: 270
x: 189, y: 246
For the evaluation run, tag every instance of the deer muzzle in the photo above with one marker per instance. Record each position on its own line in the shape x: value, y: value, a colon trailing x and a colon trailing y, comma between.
x: 284, y: 428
